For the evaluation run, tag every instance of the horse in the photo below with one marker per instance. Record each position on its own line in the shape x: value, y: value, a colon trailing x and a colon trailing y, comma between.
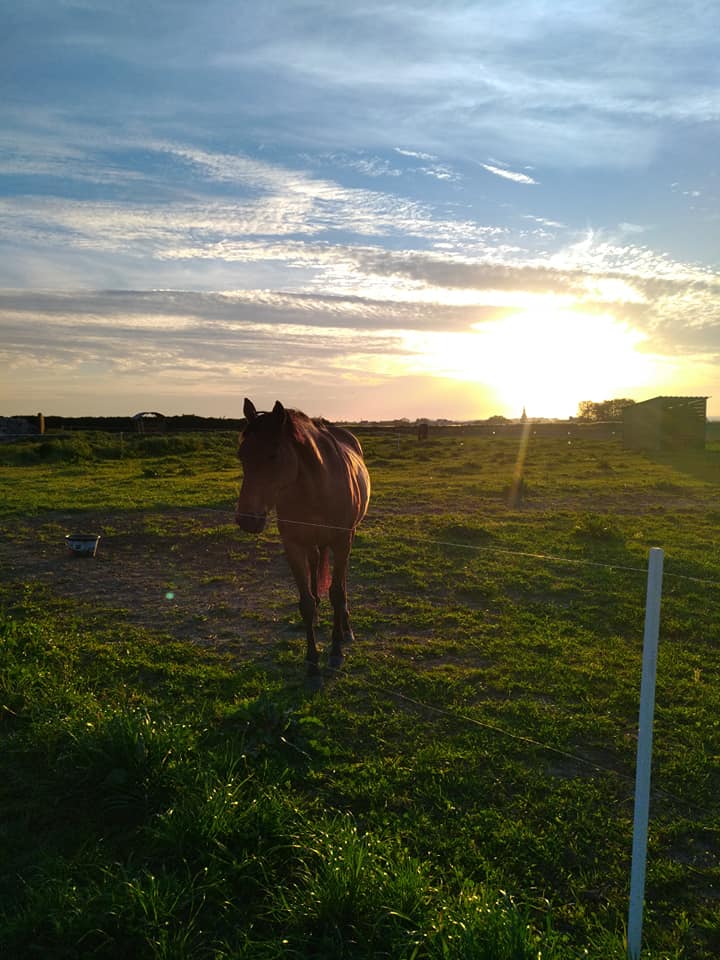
x: 314, y: 475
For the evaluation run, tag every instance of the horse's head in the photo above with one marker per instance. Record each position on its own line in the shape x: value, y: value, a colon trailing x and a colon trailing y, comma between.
x: 269, y: 464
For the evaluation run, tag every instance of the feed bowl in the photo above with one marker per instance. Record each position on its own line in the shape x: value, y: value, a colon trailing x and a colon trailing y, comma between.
x: 83, y: 544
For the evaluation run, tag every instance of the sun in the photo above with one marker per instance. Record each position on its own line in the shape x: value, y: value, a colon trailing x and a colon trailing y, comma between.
x: 548, y: 362
x: 544, y: 360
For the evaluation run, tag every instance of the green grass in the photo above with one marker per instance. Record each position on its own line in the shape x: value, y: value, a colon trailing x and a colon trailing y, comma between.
x: 97, y: 473
x: 463, y: 789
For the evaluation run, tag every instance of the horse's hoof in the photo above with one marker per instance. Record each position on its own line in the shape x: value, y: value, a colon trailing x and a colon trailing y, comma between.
x: 335, y: 661
x: 313, y: 682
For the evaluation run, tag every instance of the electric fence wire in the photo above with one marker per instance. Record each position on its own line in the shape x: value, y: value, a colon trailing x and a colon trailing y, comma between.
x: 530, y: 741
x: 461, y: 718
x: 503, y: 551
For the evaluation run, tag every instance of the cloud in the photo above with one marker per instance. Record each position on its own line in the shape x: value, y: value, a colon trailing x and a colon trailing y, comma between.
x: 631, y: 228
x: 584, y: 87
x: 271, y: 207
x: 168, y: 343
x: 415, y: 287
x: 156, y: 345
x: 415, y: 154
x: 508, y: 174
x: 162, y: 310
x: 373, y: 167
x: 544, y: 222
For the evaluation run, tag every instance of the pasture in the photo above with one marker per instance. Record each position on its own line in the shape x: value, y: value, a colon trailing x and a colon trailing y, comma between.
x: 462, y: 788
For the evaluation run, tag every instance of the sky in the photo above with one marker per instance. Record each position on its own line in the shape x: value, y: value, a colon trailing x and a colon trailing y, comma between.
x: 368, y: 211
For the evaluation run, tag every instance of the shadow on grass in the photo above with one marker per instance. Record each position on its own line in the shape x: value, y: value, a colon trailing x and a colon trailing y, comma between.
x: 702, y: 465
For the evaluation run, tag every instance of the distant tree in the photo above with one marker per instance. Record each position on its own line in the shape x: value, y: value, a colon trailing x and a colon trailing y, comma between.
x: 497, y: 419
x: 592, y: 410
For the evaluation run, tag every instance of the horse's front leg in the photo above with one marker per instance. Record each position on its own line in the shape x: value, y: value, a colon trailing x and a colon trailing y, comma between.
x: 342, y: 631
x: 300, y: 564
x: 314, y: 567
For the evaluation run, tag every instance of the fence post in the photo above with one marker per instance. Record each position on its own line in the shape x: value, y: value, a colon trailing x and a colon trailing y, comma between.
x: 644, y: 752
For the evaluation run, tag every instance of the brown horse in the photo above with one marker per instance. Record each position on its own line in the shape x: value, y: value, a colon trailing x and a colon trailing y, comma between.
x: 313, y: 473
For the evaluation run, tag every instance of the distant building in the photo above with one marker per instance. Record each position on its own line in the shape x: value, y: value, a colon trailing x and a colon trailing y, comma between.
x: 666, y: 423
x: 149, y: 422
x: 12, y: 427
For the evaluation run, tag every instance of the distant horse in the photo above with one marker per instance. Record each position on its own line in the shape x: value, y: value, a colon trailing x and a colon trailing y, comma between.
x: 314, y: 474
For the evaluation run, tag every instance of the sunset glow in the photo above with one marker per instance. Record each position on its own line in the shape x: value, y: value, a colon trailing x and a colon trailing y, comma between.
x: 545, y: 363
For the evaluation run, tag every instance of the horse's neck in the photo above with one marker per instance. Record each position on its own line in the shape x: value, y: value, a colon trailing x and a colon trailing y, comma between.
x: 309, y: 487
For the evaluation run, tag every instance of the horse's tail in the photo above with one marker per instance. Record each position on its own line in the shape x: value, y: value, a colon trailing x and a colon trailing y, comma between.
x: 323, y: 575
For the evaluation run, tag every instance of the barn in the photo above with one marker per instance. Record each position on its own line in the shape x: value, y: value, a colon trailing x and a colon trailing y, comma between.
x: 148, y: 421
x: 666, y: 423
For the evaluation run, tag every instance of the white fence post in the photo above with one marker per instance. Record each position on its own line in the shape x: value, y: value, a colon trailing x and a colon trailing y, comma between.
x: 644, y: 752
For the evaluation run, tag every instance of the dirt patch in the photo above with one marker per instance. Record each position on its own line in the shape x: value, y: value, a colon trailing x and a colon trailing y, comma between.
x: 190, y: 574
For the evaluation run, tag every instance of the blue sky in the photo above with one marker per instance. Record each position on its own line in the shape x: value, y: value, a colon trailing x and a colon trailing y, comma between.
x: 367, y: 210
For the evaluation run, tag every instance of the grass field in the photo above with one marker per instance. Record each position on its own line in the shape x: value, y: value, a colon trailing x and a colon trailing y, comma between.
x: 463, y: 789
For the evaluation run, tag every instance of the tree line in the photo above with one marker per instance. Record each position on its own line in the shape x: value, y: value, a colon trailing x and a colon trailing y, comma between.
x: 603, y: 410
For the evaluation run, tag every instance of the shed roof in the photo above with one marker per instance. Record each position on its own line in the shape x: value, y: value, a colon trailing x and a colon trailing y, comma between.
x: 663, y: 398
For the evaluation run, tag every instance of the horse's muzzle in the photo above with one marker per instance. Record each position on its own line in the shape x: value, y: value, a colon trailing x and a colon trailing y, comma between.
x: 251, y: 522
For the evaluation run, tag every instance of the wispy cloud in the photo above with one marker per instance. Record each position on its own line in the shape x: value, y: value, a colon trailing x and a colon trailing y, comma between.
x: 416, y: 155
x: 368, y: 166
x: 508, y: 174
x: 271, y: 207
x: 544, y: 221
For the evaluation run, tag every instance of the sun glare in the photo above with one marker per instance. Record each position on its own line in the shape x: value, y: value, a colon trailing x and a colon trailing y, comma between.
x: 545, y: 362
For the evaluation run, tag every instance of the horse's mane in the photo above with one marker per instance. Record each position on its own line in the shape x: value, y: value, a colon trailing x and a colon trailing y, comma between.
x: 300, y: 424
x: 305, y: 431
x: 311, y: 434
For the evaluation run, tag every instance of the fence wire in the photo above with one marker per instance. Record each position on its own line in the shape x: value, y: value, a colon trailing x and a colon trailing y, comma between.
x: 495, y: 728
x: 461, y: 718
x: 504, y: 551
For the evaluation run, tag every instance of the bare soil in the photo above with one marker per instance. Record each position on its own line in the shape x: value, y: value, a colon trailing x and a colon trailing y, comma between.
x: 189, y: 574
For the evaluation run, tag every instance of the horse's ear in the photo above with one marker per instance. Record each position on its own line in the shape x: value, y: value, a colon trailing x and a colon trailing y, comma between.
x: 249, y: 409
x: 279, y: 412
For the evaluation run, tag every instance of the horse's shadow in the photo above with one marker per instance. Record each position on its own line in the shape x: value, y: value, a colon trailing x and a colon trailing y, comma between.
x: 329, y: 673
